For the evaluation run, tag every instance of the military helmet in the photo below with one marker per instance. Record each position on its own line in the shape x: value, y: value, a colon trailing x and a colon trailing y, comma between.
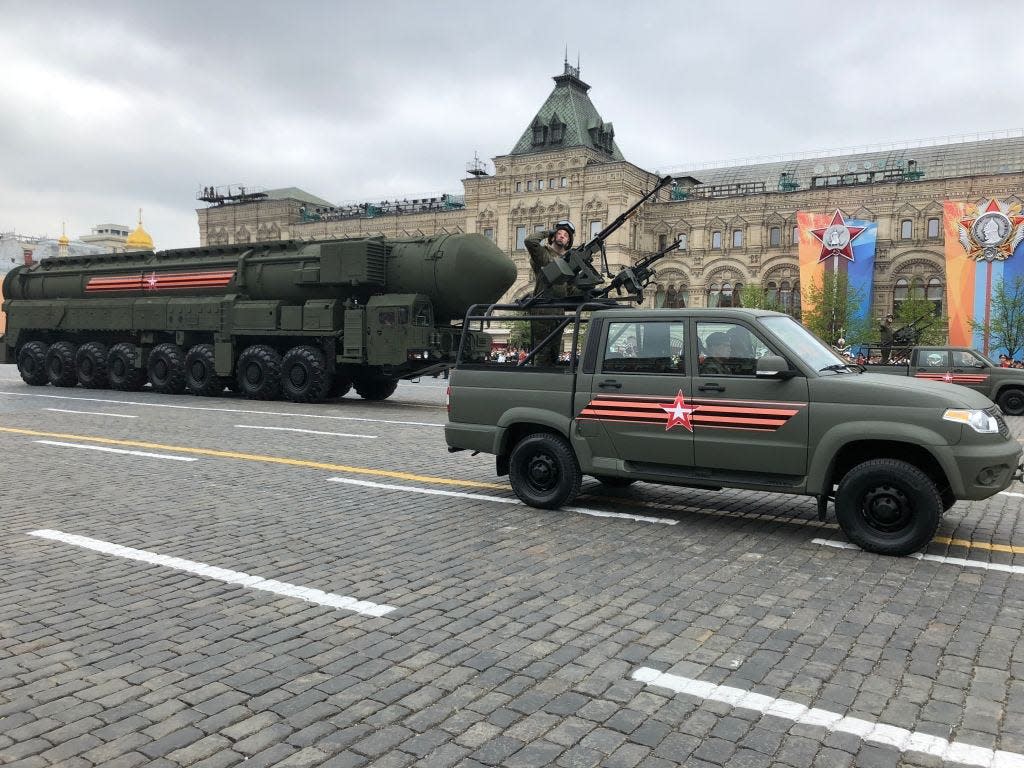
x: 568, y: 227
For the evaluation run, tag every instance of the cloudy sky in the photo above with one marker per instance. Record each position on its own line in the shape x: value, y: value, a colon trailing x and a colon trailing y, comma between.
x: 108, y: 107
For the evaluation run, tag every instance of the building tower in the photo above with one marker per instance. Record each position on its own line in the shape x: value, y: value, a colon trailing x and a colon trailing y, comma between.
x: 139, y: 239
x: 63, y: 242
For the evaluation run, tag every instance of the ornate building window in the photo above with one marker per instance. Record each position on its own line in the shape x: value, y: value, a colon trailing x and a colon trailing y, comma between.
x: 726, y: 296
x: 933, y: 228
x: 737, y: 238
x: 796, y: 236
x: 540, y: 184
x: 716, y: 241
x: 682, y: 238
x: 551, y: 183
x: 519, y: 186
x: 529, y: 186
x: 595, y: 227
x: 771, y: 294
x: 775, y: 237
x: 906, y: 229
x: 900, y: 293
x: 934, y: 292
x: 786, y: 296
x: 520, y: 237
x: 675, y: 298
x: 737, y: 299
x: 539, y: 133
x: 714, y: 295
x: 564, y: 182
x: 489, y: 233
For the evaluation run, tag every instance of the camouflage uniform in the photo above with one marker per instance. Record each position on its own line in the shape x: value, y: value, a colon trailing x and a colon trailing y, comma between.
x: 542, y: 254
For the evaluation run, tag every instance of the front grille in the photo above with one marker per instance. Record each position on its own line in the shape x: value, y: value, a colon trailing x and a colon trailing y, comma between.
x: 1004, y: 429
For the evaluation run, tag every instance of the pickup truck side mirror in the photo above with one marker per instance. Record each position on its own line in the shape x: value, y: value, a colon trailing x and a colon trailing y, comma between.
x: 774, y: 367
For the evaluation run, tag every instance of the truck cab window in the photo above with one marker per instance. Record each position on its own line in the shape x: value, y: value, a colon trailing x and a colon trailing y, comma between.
x: 728, y: 349
x: 645, y: 347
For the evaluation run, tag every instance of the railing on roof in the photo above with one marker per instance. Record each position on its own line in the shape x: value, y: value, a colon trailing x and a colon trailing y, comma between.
x: 861, y: 149
x: 365, y: 210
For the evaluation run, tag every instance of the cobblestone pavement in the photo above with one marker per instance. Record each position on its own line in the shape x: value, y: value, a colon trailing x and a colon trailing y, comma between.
x: 517, y: 637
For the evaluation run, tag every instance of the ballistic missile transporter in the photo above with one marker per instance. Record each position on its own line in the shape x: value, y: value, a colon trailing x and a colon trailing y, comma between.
x: 302, y: 320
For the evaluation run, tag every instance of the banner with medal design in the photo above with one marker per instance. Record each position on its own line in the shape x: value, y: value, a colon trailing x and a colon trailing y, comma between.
x: 831, y: 243
x: 984, y: 244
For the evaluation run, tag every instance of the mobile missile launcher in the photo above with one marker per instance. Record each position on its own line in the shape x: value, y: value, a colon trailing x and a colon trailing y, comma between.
x: 302, y: 320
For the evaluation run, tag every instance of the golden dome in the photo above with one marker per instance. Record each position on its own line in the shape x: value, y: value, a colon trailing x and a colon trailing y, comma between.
x: 63, y: 239
x: 139, y: 239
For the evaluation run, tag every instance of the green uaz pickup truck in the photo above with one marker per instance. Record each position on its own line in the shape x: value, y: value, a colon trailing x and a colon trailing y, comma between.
x: 963, y: 366
x: 715, y: 398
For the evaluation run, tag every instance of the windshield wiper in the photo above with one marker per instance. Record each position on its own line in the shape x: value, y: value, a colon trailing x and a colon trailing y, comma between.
x: 837, y: 367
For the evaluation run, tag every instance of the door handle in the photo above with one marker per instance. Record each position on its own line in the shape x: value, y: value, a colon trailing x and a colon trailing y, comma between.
x: 609, y: 384
x: 711, y: 388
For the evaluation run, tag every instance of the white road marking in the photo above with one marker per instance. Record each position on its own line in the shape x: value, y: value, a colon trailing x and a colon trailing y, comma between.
x: 93, y: 413
x: 496, y: 500
x: 1010, y: 493
x: 308, y: 594
x: 305, y: 431
x: 932, y: 558
x: 877, y: 733
x: 116, y: 450
x: 231, y: 410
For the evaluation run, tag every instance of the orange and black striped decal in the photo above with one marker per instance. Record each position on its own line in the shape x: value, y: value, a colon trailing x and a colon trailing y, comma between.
x: 954, y: 378
x: 756, y: 415
x: 161, y: 281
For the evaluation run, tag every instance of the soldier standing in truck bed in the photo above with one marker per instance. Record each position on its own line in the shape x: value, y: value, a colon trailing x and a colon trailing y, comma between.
x: 544, y: 247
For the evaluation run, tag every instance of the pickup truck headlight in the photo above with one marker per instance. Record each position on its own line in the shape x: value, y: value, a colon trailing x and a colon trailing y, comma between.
x: 979, y: 421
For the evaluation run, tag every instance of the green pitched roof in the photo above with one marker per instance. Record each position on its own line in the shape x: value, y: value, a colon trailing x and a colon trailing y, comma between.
x: 568, y: 119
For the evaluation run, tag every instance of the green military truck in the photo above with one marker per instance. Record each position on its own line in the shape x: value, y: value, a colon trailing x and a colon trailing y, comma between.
x: 300, y: 320
x: 716, y: 398
x: 963, y: 366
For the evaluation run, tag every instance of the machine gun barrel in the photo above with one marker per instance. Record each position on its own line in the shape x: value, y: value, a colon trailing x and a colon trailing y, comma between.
x: 634, y: 279
x: 577, y: 265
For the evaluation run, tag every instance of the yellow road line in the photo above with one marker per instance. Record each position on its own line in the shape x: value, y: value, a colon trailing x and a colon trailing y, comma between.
x: 979, y: 545
x: 1016, y: 550
x: 256, y: 457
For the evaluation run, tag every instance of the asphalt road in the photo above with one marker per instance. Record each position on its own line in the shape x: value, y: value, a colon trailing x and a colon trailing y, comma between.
x: 191, y: 581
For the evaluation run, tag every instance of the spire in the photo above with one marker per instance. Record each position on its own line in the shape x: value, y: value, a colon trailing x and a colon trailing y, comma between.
x: 568, y: 118
x: 63, y: 242
x: 139, y: 240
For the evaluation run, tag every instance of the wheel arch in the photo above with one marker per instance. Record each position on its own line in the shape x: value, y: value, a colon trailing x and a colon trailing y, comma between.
x: 857, y: 452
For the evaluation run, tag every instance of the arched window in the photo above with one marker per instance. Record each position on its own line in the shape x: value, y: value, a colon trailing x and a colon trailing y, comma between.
x: 714, y: 293
x: 726, y: 295
x: 716, y: 241
x: 934, y: 293
x: 917, y: 288
x: 785, y: 296
x: 682, y: 240
x: 737, y: 298
x: 775, y: 237
x: 796, y: 299
x: 771, y: 294
x: 900, y: 293
x: 906, y: 229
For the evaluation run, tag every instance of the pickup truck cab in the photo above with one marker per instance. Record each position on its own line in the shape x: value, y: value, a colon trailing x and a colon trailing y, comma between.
x: 964, y: 366
x: 715, y: 398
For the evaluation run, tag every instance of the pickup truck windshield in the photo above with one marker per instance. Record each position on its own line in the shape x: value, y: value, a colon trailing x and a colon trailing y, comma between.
x: 803, y: 342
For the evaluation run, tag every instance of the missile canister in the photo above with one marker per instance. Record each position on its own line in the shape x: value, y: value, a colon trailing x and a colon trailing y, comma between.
x: 264, y: 318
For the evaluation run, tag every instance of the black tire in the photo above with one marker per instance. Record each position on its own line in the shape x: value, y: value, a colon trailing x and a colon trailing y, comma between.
x: 544, y: 471
x: 376, y: 387
x: 165, y: 369
x: 32, y: 363
x: 123, y: 369
x: 888, y: 507
x: 200, y: 372
x: 91, y: 365
x: 304, y: 377
x: 340, y: 386
x: 614, y: 482
x: 60, y: 364
x: 1011, y: 401
x: 259, y: 372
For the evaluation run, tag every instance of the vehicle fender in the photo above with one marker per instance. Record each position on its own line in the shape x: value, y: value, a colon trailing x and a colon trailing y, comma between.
x: 837, y: 437
x: 541, y: 417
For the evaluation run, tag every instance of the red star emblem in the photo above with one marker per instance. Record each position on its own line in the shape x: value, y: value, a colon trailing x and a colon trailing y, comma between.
x: 948, y: 378
x: 151, y: 281
x: 679, y: 413
x: 837, y: 238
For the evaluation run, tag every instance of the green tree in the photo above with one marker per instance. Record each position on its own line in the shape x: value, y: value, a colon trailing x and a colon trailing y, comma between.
x: 1006, y: 317
x: 519, y: 334
x: 833, y: 312
x: 754, y: 296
